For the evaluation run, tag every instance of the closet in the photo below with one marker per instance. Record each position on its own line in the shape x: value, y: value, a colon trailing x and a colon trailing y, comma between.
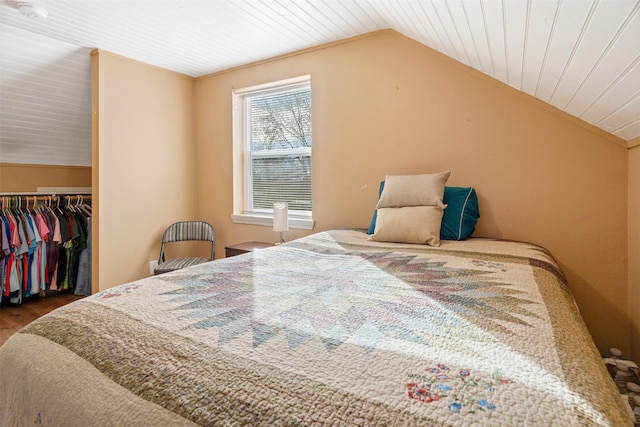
x: 45, y: 245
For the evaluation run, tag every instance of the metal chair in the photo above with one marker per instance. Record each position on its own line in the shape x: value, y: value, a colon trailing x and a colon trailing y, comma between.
x: 180, y: 232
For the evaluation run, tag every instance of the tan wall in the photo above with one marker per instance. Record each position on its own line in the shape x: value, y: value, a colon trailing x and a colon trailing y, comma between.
x: 144, y: 158
x: 25, y: 178
x: 634, y: 247
x: 385, y: 104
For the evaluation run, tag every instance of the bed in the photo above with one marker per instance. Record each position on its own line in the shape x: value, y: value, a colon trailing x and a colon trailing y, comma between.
x: 329, y: 329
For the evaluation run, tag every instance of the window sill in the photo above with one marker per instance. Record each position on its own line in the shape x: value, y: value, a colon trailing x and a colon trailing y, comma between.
x: 267, y: 221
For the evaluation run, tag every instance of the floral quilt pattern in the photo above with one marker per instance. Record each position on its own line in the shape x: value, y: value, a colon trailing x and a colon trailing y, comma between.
x: 459, y: 389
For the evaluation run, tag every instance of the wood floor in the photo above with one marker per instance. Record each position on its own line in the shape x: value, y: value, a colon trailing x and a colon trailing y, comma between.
x: 14, y: 317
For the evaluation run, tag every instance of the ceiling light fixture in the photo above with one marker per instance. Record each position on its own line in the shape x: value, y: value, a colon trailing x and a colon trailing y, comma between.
x: 32, y: 10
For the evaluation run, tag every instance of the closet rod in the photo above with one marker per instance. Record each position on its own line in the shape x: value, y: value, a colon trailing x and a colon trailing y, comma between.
x: 42, y: 193
x: 69, y: 198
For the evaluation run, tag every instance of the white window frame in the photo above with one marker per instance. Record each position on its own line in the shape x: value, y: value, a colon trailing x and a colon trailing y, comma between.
x: 242, y: 159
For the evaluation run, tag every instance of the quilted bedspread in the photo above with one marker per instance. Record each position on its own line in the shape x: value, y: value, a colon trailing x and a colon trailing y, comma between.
x: 330, y: 329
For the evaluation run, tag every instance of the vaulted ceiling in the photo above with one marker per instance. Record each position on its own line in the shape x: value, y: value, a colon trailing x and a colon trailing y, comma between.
x: 581, y: 56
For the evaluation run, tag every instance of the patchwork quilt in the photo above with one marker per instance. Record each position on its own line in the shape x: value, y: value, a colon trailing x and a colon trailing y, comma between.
x: 330, y: 329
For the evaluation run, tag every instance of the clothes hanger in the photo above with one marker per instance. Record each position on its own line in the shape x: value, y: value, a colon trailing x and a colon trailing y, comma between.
x: 36, y: 205
x: 6, y: 206
x: 58, y: 205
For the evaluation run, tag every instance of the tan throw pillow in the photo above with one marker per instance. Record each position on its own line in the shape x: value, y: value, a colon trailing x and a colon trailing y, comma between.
x: 413, y: 224
x: 413, y: 190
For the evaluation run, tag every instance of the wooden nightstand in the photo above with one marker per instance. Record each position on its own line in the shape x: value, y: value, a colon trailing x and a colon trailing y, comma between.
x: 243, y: 248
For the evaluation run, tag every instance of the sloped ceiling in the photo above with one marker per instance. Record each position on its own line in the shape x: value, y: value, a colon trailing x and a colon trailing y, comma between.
x: 45, y: 100
x: 581, y: 56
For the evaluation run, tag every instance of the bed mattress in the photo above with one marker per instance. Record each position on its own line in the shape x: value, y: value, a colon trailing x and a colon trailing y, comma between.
x: 329, y: 329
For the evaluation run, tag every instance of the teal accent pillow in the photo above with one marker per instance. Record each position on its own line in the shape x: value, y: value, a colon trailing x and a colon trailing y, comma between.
x: 461, y: 215
x: 459, y: 218
x: 372, y: 226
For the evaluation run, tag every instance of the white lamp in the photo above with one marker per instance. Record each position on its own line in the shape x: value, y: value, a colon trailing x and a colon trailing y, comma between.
x: 280, y: 218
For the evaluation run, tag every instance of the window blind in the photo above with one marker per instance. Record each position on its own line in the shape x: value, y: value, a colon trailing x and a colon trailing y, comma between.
x: 279, y: 149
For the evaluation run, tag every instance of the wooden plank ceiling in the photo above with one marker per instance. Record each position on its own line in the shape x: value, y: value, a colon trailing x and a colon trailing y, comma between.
x: 581, y: 56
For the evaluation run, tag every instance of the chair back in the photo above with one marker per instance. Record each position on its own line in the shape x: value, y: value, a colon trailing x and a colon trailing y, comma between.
x: 188, y: 230
x: 180, y: 232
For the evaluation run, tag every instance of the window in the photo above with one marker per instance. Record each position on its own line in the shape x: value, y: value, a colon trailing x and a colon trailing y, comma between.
x: 272, y: 136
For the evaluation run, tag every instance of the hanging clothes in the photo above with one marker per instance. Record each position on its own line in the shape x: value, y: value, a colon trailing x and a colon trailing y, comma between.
x: 41, y: 249
x: 83, y: 285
